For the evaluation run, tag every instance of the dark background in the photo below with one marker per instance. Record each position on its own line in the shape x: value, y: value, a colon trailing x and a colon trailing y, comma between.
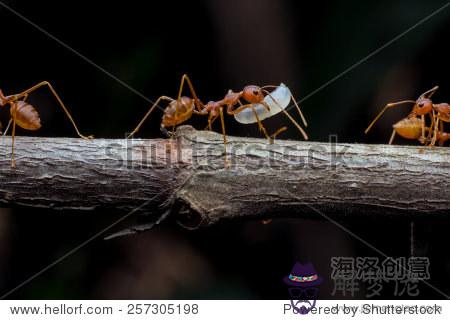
x: 221, y: 44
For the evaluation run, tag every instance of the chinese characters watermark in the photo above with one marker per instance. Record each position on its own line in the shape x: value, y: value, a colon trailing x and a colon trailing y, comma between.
x: 401, y: 273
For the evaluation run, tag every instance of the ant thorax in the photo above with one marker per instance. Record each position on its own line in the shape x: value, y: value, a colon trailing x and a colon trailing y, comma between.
x: 232, y: 98
x: 443, y: 110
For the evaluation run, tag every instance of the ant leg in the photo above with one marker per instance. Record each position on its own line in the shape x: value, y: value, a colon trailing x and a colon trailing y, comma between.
x: 441, y: 133
x: 197, y: 102
x: 232, y: 111
x: 430, y: 129
x: 422, y: 117
x: 299, y: 111
x: 389, y: 105
x: 429, y: 92
x: 276, y: 133
x: 305, y: 136
x: 392, y: 137
x: 7, y: 127
x: 25, y: 97
x: 295, y: 102
x: 260, y: 125
x: 13, y: 135
x: 210, y: 122
x: 241, y: 108
x: 46, y: 83
x: 436, y: 125
x: 423, y: 140
x: 147, y: 114
x: 222, y: 120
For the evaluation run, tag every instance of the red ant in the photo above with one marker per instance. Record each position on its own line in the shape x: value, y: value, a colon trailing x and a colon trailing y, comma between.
x: 26, y: 116
x: 181, y: 109
x: 412, y: 127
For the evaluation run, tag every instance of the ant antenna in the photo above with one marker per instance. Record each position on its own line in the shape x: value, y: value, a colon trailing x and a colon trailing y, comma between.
x: 147, y: 114
x: 293, y: 99
x: 429, y: 92
x: 389, y: 105
x: 305, y: 136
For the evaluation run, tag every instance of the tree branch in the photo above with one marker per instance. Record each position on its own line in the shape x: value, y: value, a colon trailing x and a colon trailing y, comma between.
x: 292, y: 178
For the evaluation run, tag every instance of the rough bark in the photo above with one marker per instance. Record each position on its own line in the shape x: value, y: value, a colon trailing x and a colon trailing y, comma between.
x: 188, y: 173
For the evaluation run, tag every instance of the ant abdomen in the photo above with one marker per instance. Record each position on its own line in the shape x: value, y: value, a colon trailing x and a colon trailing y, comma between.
x: 26, y: 115
x: 178, y: 112
x: 409, y: 128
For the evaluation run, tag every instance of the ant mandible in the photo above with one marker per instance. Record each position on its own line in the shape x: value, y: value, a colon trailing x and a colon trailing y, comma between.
x: 181, y: 109
x: 26, y: 116
x: 412, y: 127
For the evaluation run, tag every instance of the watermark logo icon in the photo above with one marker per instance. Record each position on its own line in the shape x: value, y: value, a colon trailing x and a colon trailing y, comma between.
x: 303, y: 282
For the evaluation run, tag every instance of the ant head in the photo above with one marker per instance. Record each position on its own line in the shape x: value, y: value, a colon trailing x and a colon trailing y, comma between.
x: 423, y: 106
x: 253, y: 94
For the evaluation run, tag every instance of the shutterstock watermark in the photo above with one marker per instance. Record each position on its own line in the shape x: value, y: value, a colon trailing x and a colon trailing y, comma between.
x: 213, y: 155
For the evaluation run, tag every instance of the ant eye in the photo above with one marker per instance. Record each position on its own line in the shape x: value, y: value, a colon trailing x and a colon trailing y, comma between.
x: 421, y: 104
x: 255, y: 92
